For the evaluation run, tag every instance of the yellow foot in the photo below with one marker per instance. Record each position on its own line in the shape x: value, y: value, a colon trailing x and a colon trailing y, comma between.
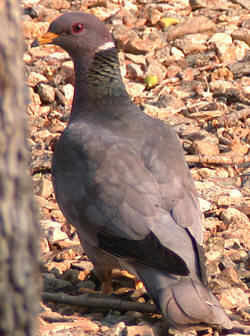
x: 138, y: 284
x: 118, y: 273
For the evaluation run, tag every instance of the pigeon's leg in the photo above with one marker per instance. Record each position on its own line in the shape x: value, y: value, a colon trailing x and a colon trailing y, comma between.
x: 103, y: 264
x: 106, y: 287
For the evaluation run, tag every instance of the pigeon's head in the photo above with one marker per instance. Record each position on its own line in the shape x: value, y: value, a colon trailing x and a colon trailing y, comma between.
x: 77, y: 33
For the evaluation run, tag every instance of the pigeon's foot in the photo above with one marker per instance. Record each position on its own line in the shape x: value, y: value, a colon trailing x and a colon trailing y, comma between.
x: 124, y: 273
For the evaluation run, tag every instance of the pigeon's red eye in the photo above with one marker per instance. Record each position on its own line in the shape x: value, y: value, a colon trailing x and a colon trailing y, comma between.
x: 77, y: 28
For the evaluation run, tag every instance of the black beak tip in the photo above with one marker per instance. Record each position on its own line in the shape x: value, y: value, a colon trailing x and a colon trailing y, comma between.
x: 35, y: 43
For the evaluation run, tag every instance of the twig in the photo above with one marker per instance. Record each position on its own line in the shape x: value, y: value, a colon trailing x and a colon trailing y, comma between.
x: 231, y: 118
x: 242, y: 3
x: 239, y: 327
x: 108, y: 303
x: 218, y: 159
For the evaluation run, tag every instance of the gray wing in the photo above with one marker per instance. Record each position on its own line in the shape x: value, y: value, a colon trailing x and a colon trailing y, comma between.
x: 115, y: 202
x: 166, y: 162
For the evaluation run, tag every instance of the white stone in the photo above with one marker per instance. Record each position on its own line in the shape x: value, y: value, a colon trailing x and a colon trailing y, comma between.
x: 235, y: 193
x: 221, y: 38
x: 204, y: 205
x: 177, y: 53
x: 52, y: 231
x: 68, y: 90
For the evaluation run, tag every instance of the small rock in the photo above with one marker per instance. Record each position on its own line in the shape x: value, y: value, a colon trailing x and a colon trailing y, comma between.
x: 66, y: 72
x: 233, y: 297
x: 35, y: 98
x: 233, y: 215
x: 43, y: 134
x: 224, y: 47
x: 68, y: 90
x: 245, y: 23
x: 45, y: 14
x: 213, y: 269
x: 44, y: 245
x: 138, y: 59
x: 173, y: 70
x: 60, y: 98
x: 83, y: 265
x: 204, y: 205
x: 235, y: 193
x: 192, y: 43
x: 50, y: 283
x: 220, y: 86
x: 230, y: 275
x: 167, y: 100
x: 232, y: 243
x: 222, y: 74
x: 45, y: 188
x: 68, y: 254
x: 138, y: 46
x: 86, y: 284
x: 52, y: 231
x: 58, y: 268
x: 74, y: 276
x: 153, y: 15
x: 155, y: 68
x: 240, y: 68
x: 206, y: 172
x: 144, y: 330
x: 135, y: 89
x: 177, y: 54
x: 163, y: 54
x: 35, y: 78
x: 225, y: 201
x: 56, y: 4
x: 134, y: 71
x: 242, y: 34
x: 174, y: 332
x: 213, y: 255
x: 192, y: 25
x: 46, y: 93
x: 117, y: 330
x: 237, y: 255
x: 204, y: 148
x: 122, y: 34
x: 34, y: 29
x: 211, y: 225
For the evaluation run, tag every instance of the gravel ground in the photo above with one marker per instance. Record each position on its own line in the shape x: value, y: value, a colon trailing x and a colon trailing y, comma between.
x: 187, y: 63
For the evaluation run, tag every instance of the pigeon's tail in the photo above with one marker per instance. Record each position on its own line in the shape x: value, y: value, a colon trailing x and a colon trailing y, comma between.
x: 184, y: 302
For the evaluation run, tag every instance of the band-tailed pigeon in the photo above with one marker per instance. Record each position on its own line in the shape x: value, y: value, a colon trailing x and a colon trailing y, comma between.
x: 121, y: 179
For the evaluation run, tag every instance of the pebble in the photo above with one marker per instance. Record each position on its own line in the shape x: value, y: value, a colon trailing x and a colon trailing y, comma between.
x: 204, y: 148
x: 46, y: 93
x: 204, y: 59
x: 146, y: 330
x: 68, y: 91
x: 52, y: 231
x: 204, y: 205
x: 192, y: 43
x: 51, y: 283
x: 233, y: 297
x: 35, y: 78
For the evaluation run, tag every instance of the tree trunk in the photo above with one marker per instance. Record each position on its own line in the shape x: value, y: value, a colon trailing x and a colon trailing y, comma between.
x: 19, y: 233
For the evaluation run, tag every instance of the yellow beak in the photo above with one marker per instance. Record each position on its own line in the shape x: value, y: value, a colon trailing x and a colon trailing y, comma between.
x: 47, y: 38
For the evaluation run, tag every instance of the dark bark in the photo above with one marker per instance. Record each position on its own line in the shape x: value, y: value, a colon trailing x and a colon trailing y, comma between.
x: 18, y: 223
x: 102, y: 302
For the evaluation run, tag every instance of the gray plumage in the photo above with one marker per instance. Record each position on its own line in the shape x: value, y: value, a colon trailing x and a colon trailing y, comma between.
x: 121, y: 179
